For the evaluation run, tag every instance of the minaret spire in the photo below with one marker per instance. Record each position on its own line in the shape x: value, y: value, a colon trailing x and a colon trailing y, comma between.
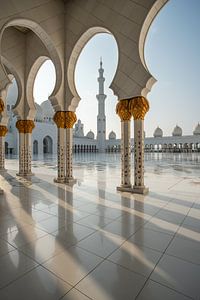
x: 101, y: 79
x: 101, y: 118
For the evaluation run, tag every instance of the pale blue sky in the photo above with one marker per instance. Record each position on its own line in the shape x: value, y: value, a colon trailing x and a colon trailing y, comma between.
x: 172, y: 55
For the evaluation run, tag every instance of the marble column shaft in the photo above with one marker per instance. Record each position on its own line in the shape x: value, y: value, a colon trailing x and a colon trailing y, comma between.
x: 69, y: 123
x: 3, y: 131
x: 69, y: 144
x: 138, y: 153
x: 65, y: 121
x: 61, y: 155
x: 124, y: 113
x: 139, y: 106
x: 25, y: 128
x: 125, y: 155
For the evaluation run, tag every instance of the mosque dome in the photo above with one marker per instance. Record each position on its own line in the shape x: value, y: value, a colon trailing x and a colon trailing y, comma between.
x: 90, y: 135
x: 177, y: 131
x: 112, y: 135
x: 158, y: 132
x: 197, y: 130
x: 39, y: 113
x: 47, y: 109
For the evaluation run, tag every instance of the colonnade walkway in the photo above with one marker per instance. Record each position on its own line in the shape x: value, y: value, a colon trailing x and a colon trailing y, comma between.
x: 89, y: 241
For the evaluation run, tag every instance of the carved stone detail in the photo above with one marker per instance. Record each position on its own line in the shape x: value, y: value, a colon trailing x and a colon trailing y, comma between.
x: 139, y: 106
x: 59, y: 119
x: 25, y: 126
x: 123, y: 110
x: 3, y: 130
x: 70, y: 119
x: 2, y: 152
x: 65, y: 119
x: 1, y: 105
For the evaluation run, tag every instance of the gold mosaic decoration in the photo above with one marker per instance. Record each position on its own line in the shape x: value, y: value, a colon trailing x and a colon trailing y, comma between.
x: 123, y: 110
x: 3, y: 130
x: 59, y: 119
x: 65, y: 119
x: 25, y: 126
x: 1, y: 105
x: 139, y: 106
x: 70, y: 119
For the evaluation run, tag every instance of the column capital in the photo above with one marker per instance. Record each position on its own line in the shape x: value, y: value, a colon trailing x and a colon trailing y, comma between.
x: 25, y: 126
x: 123, y: 110
x: 139, y: 106
x: 3, y: 130
x: 1, y: 105
x: 70, y: 119
x: 65, y: 119
x: 59, y: 119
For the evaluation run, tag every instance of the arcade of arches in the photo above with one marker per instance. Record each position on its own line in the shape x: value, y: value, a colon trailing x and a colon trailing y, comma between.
x: 58, y: 30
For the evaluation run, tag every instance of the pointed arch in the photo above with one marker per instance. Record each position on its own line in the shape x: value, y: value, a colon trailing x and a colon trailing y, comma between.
x: 46, y: 40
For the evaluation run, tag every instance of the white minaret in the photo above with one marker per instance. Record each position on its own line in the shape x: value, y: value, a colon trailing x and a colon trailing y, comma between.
x: 101, y: 118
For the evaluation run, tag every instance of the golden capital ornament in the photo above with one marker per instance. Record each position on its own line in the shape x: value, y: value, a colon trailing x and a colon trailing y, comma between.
x: 1, y: 105
x: 25, y: 126
x: 3, y: 130
x: 65, y: 119
x: 59, y: 119
x: 123, y: 110
x: 139, y: 106
x: 70, y: 119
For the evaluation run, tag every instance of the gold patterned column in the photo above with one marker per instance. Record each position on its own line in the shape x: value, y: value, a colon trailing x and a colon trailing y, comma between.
x: 59, y: 119
x: 1, y: 105
x: 70, y: 120
x: 65, y: 121
x: 3, y: 131
x: 2, y: 142
x: 139, y: 106
x: 123, y: 110
x: 25, y: 128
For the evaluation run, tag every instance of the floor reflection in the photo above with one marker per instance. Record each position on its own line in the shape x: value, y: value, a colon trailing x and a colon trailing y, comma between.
x: 89, y: 241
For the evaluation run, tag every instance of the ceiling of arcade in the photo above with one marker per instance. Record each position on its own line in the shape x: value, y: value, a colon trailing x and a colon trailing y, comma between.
x: 60, y: 29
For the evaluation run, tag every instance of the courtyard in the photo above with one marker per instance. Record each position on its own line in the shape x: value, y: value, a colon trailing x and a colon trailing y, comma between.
x: 88, y: 241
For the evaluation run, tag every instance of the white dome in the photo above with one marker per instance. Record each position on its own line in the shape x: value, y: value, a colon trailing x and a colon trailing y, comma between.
x: 158, y: 132
x: 39, y: 113
x: 112, y: 135
x: 177, y: 131
x: 197, y: 130
x: 47, y: 109
x: 90, y: 135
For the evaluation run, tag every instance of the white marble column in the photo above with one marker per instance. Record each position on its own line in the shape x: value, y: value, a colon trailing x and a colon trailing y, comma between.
x: 25, y: 128
x: 69, y: 141
x: 3, y: 131
x: 59, y: 119
x: 124, y: 113
x: 2, y: 140
x: 139, y: 108
x: 70, y: 120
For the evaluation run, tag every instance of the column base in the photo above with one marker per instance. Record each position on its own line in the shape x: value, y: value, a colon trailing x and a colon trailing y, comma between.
x: 59, y: 180
x: 70, y: 180
x: 25, y: 174
x: 127, y: 188
x: 140, y: 190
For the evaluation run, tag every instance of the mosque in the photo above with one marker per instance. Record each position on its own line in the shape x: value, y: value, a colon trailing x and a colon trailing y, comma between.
x: 44, y: 135
x: 98, y: 230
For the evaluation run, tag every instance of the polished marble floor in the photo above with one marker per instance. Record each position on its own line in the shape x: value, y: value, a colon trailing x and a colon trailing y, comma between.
x: 89, y: 241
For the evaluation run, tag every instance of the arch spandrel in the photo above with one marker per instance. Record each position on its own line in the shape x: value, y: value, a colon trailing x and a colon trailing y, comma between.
x: 46, y: 40
x: 132, y: 77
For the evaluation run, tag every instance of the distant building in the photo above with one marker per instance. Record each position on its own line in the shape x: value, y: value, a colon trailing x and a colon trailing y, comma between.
x: 44, y: 136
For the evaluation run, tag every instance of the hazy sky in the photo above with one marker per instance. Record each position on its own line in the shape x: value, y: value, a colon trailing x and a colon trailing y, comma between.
x: 172, y: 53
